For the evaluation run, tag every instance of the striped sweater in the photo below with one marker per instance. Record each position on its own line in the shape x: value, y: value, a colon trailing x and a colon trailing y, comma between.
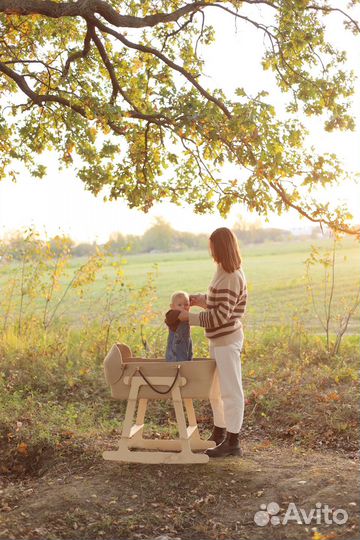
x: 226, y: 302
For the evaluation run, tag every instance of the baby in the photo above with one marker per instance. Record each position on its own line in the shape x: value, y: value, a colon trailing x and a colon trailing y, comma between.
x: 179, y: 344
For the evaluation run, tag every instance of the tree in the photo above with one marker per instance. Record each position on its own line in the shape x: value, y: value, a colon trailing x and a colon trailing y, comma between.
x: 159, y: 237
x: 84, y: 249
x: 117, y: 243
x: 119, y: 87
x: 187, y: 240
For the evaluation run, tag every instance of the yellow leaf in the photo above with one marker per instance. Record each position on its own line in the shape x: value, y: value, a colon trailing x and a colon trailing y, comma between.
x: 23, y: 449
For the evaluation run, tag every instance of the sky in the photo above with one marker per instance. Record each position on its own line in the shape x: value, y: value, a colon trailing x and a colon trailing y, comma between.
x: 59, y: 204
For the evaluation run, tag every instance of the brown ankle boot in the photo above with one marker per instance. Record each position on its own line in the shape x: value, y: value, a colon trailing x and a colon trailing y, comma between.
x: 229, y: 447
x: 218, y: 435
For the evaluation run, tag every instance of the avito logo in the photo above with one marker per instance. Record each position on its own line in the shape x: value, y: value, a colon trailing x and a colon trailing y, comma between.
x: 322, y: 513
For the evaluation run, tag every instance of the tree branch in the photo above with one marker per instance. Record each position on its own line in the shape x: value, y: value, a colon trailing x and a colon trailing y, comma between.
x: 110, y: 68
x: 79, y: 54
x: 136, y: 112
x: 86, y: 8
x: 18, y: 61
x: 330, y: 9
x: 166, y: 60
x: 40, y: 99
x: 355, y: 231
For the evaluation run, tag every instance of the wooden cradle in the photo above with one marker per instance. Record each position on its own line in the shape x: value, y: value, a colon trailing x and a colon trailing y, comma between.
x: 138, y: 380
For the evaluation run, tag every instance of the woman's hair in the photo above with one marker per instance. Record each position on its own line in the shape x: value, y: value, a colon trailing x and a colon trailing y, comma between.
x: 225, y: 249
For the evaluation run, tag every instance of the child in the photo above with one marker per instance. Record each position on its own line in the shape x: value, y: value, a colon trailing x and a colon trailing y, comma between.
x: 179, y: 344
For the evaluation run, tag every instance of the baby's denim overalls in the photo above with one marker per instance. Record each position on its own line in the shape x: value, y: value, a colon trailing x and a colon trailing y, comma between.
x: 179, y: 343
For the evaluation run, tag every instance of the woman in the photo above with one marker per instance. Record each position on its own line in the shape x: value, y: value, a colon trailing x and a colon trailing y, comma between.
x: 224, y: 306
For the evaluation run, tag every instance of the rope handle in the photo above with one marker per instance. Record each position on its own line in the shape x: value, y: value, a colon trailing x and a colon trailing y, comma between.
x: 153, y: 387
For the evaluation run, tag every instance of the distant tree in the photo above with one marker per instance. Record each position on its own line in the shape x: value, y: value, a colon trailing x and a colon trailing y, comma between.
x: 120, y: 86
x: 84, y: 249
x: 161, y: 236
x: 254, y: 233
x: 135, y: 243
x: 188, y: 240
x: 117, y: 242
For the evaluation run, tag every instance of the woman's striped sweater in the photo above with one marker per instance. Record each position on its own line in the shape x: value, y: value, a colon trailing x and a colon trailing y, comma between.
x: 226, y: 302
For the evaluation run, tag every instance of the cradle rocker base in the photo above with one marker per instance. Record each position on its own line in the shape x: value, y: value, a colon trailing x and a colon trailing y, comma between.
x: 133, y: 448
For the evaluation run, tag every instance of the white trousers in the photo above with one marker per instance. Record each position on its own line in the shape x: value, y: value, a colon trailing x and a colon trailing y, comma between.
x: 226, y: 393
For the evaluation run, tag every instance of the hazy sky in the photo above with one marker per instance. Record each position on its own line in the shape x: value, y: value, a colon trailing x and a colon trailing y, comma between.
x: 59, y: 203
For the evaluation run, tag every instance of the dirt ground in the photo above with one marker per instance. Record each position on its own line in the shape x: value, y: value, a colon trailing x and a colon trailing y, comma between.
x: 84, y: 497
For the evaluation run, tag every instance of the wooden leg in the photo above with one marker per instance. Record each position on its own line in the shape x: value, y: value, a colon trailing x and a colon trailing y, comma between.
x: 185, y: 433
x: 137, y: 438
x: 130, y: 410
x: 196, y: 442
x: 173, y: 451
x: 189, y: 407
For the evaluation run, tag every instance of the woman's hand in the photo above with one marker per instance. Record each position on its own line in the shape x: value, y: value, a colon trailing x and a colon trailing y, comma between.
x: 198, y: 300
x: 183, y: 315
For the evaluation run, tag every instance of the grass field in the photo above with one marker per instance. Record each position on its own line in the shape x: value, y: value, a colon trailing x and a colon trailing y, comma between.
x: 275, y: 274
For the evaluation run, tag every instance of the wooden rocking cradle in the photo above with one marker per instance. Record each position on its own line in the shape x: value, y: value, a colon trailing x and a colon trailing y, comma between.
x: 138, y: 380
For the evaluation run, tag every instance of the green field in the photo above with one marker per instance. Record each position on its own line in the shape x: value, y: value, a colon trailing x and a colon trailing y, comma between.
x: 276, y: 279
x: 275, y: 274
